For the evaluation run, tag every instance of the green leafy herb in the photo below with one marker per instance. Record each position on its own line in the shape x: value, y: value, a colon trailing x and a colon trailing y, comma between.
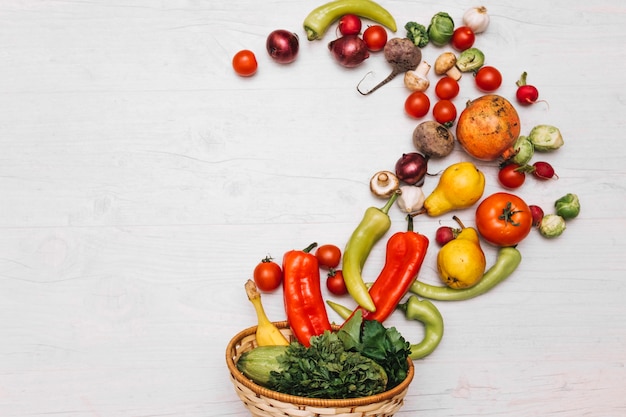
x: 327, y: 370
x: 388, y: 348
x: 384, y: 345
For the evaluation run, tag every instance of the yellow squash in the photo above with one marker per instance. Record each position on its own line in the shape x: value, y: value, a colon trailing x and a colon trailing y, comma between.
x: 267, y: 334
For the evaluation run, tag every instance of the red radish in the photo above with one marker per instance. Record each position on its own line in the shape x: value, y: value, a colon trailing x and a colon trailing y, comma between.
x: 543, y: 170
x: 445, y: 234
x: 537, y: 213
x: 349, y: 24
x: 526, y: 94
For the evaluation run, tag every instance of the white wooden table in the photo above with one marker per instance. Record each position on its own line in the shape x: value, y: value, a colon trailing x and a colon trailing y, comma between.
x: 141, y: 181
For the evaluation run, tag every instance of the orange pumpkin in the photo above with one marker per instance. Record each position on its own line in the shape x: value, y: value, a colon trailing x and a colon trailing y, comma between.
x: 488, y: 127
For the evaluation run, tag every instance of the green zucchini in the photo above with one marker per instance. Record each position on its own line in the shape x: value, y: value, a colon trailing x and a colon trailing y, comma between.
x: 258, y: 363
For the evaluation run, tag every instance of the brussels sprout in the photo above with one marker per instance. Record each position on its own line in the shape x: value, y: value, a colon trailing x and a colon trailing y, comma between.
x: 470, y: 60
x: 545, y: 138
x: 441, y: 29
x: 552, y: 225
x: 568, y: 206
x: 524, y: 151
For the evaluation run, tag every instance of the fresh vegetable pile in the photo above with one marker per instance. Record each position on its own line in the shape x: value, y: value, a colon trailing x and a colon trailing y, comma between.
x: 364, y: 357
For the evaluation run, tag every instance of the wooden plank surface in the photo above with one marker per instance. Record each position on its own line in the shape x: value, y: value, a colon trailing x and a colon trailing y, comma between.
x: 141, y: 181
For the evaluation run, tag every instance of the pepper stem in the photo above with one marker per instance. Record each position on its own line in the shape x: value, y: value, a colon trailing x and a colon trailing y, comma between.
x: 409, y: 226
x: 309, y: 248
x: 392, y: 199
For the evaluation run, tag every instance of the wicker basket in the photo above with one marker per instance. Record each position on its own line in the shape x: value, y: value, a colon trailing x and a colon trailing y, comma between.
x: 262, y: 402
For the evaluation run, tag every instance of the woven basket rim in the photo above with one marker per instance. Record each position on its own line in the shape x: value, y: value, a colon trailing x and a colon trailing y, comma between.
x: 306, y: 401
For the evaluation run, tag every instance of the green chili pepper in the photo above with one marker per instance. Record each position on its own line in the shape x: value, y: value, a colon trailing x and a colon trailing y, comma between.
x: 426, y: 312
x: 414, y: 309
x: 508, y: 260
x: 375, y: 224
x: 343, y: 311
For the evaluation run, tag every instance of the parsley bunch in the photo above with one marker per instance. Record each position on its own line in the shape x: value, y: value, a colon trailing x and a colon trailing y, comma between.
x: 327, y: 370
x: 362, y: 358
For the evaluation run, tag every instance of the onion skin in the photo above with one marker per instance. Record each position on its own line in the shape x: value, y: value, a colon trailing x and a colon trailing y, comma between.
x: 282, y: 46
x: 349, y: 51
x: 411, y: 168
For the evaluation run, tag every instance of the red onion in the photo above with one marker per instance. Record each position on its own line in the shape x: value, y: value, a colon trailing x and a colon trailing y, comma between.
x: 349, y: 50
x: 282, y: 46
x: 411, y: 168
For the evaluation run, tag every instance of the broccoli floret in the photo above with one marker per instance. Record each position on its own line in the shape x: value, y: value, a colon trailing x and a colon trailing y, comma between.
x: 418, y: 34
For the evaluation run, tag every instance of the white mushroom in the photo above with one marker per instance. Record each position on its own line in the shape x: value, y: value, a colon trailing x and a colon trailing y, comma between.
x: 417, y: 80
x: 384, y: 184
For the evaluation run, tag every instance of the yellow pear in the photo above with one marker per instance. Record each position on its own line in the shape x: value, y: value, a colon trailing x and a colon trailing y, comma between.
x: 460, y: 186
x: 461, y: 262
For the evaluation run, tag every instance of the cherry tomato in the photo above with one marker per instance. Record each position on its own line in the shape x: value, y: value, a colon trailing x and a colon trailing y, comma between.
x: 417, y: 104
x: 444, y: 112
x: 335, y: 283
x: 328, y: 256
x: 488, y: 79
x: 503, y: 219
x: 375, y: 37
x: 463, y: 38
x: 447, y: 88
x: 510, y: 176
x: 268, y: 275
x: 244, y: 63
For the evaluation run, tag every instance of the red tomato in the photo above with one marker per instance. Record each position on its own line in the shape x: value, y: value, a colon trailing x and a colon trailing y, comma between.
x: 463, y: 38
x: 328, y: 256
x: 335, y: 283
x: 375, y: 37
x: 268, y: 275
x: 444, y: 112
x: 447, y: 88
x: 244, y: 63
x: 510, y: 176
x: 417, y: 104
x: 488, y: 79
x: 503, y: 219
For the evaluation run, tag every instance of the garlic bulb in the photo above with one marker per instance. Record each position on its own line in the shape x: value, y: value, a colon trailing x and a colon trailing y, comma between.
x: 411, y: 199
x: 476, y: 19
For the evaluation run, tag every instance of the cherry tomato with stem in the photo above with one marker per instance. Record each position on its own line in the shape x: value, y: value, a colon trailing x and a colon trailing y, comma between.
x: 488, y: 79
x: 444, y: 112
x: 267, y: 275
x: 511, y: 176
x: 463, y: 38
x: 417, y: 104
x: 375, y: 37
x: 335, y: 283
x: 244, y: 63
x: 447, y: 88
x: 328, y: 256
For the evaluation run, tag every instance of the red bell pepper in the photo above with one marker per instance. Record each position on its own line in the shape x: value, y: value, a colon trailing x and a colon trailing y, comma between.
x: 304, y: 304
x: 404, y: 257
